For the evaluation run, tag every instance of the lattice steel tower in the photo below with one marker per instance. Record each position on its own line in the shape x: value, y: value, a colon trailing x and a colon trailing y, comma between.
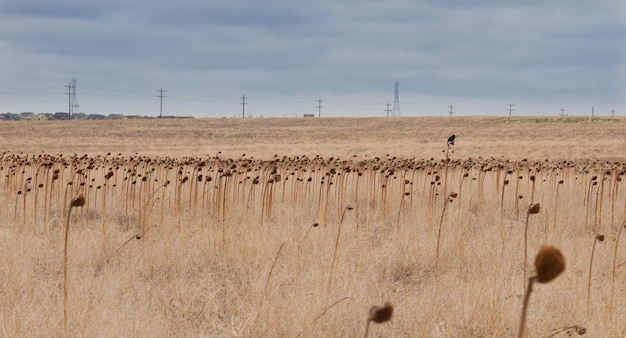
x: 74, y: 100
x: 396, y: 101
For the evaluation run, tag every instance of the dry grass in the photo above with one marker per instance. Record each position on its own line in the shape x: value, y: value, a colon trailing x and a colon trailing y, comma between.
x: 532, y: 138
x: 238, y: 255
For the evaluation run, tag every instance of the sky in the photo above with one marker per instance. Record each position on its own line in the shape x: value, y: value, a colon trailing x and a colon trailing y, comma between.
x: 284, y: 55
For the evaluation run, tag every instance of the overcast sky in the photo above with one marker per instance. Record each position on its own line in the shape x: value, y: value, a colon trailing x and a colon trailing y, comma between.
x: 285, y: 54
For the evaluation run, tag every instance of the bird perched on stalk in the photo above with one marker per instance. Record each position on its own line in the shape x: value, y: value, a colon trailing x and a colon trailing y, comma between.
x: 451, y: 139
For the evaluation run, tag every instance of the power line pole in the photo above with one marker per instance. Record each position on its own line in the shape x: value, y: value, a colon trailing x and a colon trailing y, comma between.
x: 319, y: 107
x: 388, y: 110
x: 510, y: 109
x: 451, y: 112
x: 593, y: 111
x: 70, y: 92
x: 161, y: 96
x: 562, y: 112
x: 612, y: 113
x: 243, y: 106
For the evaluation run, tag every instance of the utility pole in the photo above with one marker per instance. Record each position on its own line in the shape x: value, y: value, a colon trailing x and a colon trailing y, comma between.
x: 451, y: 106
x: 319, y: 107
x: 562, y: 112
x: 70, y: 92
x: 388, y: 110
x: 510, y: 109
x: 592, y: 111
x: 243, y: 106
x: 161, y: 96
x: 612, y: 113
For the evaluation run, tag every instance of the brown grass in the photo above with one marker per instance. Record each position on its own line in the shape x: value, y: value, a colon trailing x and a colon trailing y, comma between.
x: 225, y: 256
x: 422, y: 137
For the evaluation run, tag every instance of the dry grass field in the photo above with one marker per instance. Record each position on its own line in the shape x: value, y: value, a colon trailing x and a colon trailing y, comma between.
x: 297, y: 227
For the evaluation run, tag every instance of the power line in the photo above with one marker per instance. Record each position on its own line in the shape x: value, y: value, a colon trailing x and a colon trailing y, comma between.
x: 161, y: 96
x: 510, y: 109
x: 70, y: 92
x: 388, y: 110
x: 319, y: 107
x: 243, y: 106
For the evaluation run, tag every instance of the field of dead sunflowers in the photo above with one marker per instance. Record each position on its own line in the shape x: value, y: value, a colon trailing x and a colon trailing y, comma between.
x: 313, y: 227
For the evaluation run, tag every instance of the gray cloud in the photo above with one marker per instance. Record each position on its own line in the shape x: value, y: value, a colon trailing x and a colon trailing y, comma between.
x: 207, y: 53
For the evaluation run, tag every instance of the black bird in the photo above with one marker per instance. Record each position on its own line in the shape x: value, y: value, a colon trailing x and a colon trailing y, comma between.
x: 451, y: 139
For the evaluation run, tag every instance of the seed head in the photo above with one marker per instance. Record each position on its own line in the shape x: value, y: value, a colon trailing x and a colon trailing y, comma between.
x: 78, y: 200
x: 549, y: 263
x: 380, y: 314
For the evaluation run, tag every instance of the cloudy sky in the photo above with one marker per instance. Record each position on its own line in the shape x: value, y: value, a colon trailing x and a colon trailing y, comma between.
x: 285, y: 54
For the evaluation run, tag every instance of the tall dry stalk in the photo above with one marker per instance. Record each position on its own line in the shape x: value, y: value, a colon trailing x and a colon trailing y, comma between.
x: 556, y: 201
x: 332, y: 265
x: 619, y: 235
x: 449, y: 199
x: 599, y: 199
x: 614, y: 198
x: 592, y: 183
x: 598, y: 238
x: 549, y: 264
x: 77, y: 201
x: 505, y: 182
x: 269, y: 274
x: 519, y: 178
x: 533, y: 209
x: 465, y: 175
x: 107, y: 177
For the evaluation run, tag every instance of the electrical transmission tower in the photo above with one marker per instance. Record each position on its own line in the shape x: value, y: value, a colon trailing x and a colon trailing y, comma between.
x: 161, y: 96
x: 396, y: 100
x: 243, y: 106
x: 319, y: 107
x: 72, y: 99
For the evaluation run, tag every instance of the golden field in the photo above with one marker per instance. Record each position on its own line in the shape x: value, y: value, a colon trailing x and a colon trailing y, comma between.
x: 297, y: 227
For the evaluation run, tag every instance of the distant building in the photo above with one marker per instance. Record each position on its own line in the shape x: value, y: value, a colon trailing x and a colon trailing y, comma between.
x: 115, y: 116
x: 96, y: 117
x: 30, y: 116
x: 79, y: 116
x: 12, y: 116
x: 61, y: 116
x: 309, y: 115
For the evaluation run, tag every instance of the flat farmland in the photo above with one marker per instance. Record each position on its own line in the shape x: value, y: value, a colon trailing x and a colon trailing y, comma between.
x: 536, y: 138
x: 298, y: 227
